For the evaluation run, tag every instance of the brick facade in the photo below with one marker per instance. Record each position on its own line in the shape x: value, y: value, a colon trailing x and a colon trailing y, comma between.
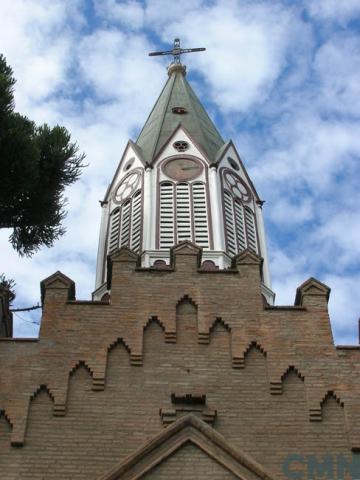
x: 184, y: 374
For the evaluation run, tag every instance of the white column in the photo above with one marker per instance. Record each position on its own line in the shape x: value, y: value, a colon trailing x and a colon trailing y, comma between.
x: 147, y: 227
x: 217, y: 223
x: 100, y: 274
x: 263, y: 249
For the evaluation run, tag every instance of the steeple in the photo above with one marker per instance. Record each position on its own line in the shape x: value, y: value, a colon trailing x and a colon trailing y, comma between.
x: 181, y: 182
x: 178, y: 105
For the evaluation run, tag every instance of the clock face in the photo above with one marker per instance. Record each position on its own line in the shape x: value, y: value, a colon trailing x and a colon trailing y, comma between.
x: 182, y: 169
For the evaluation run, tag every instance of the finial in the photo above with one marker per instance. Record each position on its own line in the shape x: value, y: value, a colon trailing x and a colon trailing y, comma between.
x: 176, y: 52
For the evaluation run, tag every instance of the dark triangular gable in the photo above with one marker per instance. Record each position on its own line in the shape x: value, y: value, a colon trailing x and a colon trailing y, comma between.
x: 187, y: 429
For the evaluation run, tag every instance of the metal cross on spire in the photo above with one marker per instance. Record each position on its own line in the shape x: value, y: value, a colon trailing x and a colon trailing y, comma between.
x: 177, y: 51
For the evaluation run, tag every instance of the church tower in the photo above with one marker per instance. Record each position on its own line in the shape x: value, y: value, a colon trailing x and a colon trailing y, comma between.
x: 181, y: 181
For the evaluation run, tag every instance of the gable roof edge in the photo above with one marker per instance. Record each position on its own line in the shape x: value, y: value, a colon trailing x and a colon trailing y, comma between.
x: 221, y: 154
x: 177, y: 432
x: 138, y: 152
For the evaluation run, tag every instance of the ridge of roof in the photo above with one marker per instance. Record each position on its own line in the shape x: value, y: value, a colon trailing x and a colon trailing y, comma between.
x: 203, y: 142
x: 163, y: 114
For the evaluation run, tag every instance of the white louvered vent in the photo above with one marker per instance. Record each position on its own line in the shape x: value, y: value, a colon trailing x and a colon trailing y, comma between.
x: 166, y: 228
x: 183, y: 215
x: 201, y: 229
x: 125, y: 224
x: 114, y: 230
x: 240, y: 226
x: 230, y: 223
x: 250, y: 230
x: 136, y: 221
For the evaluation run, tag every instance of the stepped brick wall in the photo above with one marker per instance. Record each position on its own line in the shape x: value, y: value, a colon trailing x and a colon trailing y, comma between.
x: 105, y: 378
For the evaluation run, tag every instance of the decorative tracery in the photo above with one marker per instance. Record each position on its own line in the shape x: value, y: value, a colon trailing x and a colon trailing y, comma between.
x: 237, y: 186
x: 125, y: 220
x: 128, y: 186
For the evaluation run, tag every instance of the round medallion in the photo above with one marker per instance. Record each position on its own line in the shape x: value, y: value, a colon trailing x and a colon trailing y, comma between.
x: 127, y: 187
x: 237, y: 187
x: 182, y: 169
x: 181, y: 145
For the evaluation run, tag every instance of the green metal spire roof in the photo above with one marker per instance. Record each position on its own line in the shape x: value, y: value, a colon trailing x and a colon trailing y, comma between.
x: 162, y: 122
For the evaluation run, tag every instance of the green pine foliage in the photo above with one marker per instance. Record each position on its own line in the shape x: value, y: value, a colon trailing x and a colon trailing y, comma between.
x: 36, y: 164
x: 9, y: 285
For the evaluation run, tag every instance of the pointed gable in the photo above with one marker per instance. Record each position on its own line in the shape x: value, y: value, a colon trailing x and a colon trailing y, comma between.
x: 312, y: 287
x: 190, y: 462
x: 163, y: 121
x: 205, y: 442
x: 229, y: 151
x: 133, y: 154
x: 58, y: 281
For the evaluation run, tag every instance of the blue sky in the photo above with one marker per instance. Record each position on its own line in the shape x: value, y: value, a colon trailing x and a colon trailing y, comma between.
x: 280, y: 78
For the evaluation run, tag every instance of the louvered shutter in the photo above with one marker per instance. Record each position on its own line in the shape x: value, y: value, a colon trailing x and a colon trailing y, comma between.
x: 230, y: 223
x: 166, y: 228
x: 200, y: 215
x: 183, y: 212
x: 114, y: 231
x: 125, y: 224
x: 251, y: 230
x: 136, y: 221
x: 240, y: 226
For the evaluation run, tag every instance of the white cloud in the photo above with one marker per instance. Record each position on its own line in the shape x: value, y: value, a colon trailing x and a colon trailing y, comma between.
x: 333, y: 10
x: 35, y: 37
x: 161, y: 13
x: 308, y: 152
x: 284, y: 265
x: 344, y: 307
x: 338, y: 236
x: 289, y: 214
x: 246, y: 46
x: 129, y: 14
x: 337, y: 66
x: 116, y: 64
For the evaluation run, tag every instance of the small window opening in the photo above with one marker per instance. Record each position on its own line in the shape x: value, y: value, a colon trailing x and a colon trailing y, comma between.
x: 105, y: 297
x: 181, y: 146
x: 161, y: 265
x: 128, y: 164
x: 179, y: 110
x: 209, y: 266
x: 233, y: 164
